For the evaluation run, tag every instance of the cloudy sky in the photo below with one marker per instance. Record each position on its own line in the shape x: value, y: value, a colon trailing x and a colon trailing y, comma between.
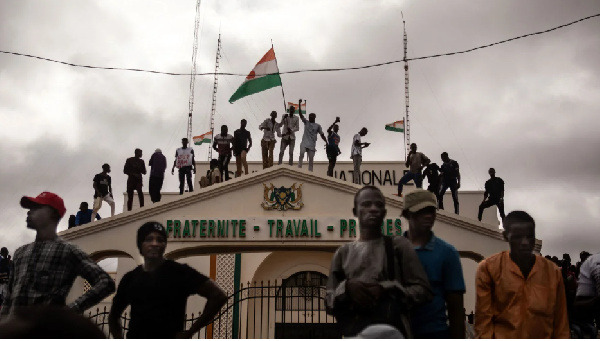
x: 528, y: 108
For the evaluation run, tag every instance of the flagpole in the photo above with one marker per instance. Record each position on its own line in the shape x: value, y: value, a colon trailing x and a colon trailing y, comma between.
x: 282, y: 92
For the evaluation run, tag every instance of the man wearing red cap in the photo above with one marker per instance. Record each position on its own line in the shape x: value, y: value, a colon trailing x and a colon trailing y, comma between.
x: 44, y: 271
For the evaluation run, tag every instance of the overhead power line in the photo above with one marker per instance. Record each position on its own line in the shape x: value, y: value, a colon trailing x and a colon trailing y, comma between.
x: 305, y: 70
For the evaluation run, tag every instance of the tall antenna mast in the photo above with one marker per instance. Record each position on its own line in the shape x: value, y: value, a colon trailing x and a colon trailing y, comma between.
x: 407, y: 118
x: 193, y: 72
x: 214, y: 97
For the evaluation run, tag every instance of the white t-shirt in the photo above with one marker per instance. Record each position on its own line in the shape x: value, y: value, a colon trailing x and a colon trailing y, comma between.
x: 356, y: 150
x: 589, y: 274
x: 309, y: 139
x: 184, y: 157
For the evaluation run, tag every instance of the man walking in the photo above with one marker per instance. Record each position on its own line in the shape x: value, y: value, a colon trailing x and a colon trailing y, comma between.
x: 493, y: 195
x: 185, y: 161
x: 158, y: 290
x: 242, y: 142
x: 44, y: 271
x: 444, y: 271
x: 84, y: 216
x: 520, y: 295
x: 415, y: 161
x: 289, y: 126
x: 267, y: 144
x: 134, y: 168
x: 450, y: 175
x: 333, y: 149
x: 222, y: 145
x: 103, y: 191
x: 158, y: 165
x: 309, y: 138
x: 356, y: 154
x: 376, y: 279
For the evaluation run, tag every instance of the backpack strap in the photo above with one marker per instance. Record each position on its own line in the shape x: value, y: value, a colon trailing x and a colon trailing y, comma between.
x: 389, y: 252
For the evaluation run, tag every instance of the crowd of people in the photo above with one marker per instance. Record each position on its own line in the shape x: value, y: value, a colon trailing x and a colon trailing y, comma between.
x: 403, y: 286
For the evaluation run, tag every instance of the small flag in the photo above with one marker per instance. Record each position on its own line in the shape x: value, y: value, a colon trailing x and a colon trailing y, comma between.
x: 204, y: 138
x: 265, y: 75
x: 397, y: 126
x: 290, y: 104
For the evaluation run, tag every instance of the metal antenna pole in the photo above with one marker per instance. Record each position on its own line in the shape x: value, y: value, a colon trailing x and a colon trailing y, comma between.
x: 214, y: 97
x: 193, y: 72
x: 407, y: 118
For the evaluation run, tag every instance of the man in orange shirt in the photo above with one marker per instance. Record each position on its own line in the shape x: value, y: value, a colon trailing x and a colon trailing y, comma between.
x: 520, y: 295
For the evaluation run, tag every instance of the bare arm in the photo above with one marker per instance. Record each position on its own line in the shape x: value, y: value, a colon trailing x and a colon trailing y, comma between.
x: 456, y: 315
x: 249, y: 141
x: 215, y: 299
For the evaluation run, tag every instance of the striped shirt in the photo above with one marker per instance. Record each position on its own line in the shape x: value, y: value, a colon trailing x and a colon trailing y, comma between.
x: 43, y: 274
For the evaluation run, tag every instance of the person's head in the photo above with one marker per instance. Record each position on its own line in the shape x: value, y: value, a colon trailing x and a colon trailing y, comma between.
x: 243, y: 123
x: 106, y: 168
x: 413, y: 147
x: 519, y: 232
x: 72, y: 219
x: 567, y: 257
x: 312, y: 117
x: 363, y: 132
x: 369, y: 208
x: 138, y: 153
x: 445, y: 157
x: 152, y: 240
x: 292, y: 110
x: 583, y: 256
x: 83, y: 206
x: 379, y: 331
x: 420, y: 210
x: 336, y: 128
x: 4, y: 252
x: 45, y: 210
x: 214, y: 163
x: 224, y: 130
x: 273, y: 114
x: 158, y: 150
x: 492, y: 173
x: 42, y: 322
x: 184, y: 142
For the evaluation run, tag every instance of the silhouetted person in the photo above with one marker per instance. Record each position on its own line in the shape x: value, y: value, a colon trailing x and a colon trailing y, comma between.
x: 333, y: 149
x: 158, y: 166
x: 5, y: 265
x: 290, y: 124
x: 309, y: 138
x: 267, y: 144
x: 375, y: 279
x: 44, y: 270
x: 158, y: 290
x: 356, y: 154
x: 72, y: 221
x: 222, y: 145
x: 493, y: 195
x: 520, y: 295
x: 134, y: 168
x: 84, y: 215
x: 242, y: 142
x: 415, y: 161
x: 103, y: 191
x: 432, y: 173
x: 185, y: 161
x: 450, y: 175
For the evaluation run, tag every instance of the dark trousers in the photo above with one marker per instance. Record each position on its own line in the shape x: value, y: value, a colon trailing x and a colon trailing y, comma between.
x: 453, y: 185
x: 489, y: 203
x: 224, y: 165
x: 154, y: 187
x: 185, y: 172
x: 134, y: 184
x: 332, y: 156
x: 417, y: 177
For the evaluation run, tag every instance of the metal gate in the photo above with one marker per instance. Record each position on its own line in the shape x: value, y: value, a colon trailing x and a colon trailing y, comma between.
x: 294, y: 309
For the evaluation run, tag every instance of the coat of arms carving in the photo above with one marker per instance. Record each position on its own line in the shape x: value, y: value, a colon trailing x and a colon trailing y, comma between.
x: 282, y: 198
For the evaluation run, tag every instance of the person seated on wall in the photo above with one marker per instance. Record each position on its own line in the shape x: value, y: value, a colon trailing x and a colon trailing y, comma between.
x: 213, y: 175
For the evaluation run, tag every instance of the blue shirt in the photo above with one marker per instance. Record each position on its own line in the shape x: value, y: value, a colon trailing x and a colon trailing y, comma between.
x: 85, y: 217
x: 444, y: 271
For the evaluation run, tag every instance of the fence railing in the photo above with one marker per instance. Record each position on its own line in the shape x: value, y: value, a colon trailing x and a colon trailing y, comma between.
x: 258, y: 310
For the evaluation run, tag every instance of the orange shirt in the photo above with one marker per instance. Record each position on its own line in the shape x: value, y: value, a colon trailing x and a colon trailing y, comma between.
x: 509, y: 306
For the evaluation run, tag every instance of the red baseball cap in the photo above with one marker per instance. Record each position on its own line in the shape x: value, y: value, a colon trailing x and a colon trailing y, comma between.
x: 47, y: 199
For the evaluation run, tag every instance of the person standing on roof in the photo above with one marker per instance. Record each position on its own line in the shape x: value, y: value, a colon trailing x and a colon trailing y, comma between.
x: 309, y: 138
x: 242, y: 142
x: 290, y: 124
x: 134, y: 168
x: 158, y: 165
x: 222, y: 145
x: 267, y: 144
x: 185, y: 161
x: 494, y: 194
x: 356, y: 154
x: 415, y: 161
x: 103, y: 191
x: 333, y: 149
x: 450, y: 175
